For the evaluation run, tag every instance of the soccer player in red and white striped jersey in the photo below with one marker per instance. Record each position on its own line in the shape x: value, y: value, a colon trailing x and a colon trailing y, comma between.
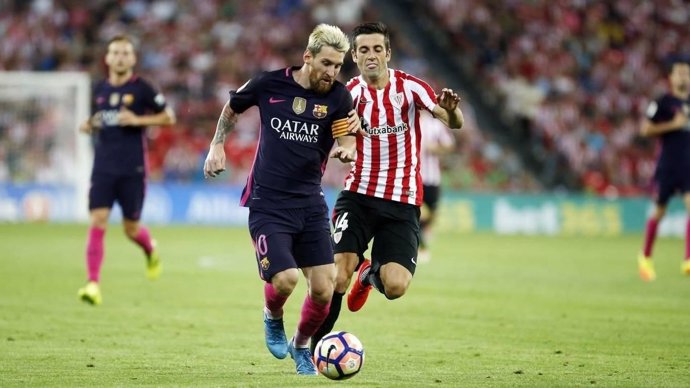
x: 383, y: 192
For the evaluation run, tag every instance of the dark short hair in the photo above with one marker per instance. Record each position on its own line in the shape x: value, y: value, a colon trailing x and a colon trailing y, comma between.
x: 672, y: 61
x: 372, y: 28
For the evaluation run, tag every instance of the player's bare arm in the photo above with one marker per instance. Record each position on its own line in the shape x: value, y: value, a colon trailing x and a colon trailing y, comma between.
x: 215, y: 160
x: 448, y: 110
x: 128, y: 118
x: 649, y: 128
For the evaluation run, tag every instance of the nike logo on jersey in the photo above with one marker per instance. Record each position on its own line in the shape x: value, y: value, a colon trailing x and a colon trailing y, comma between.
x: 413, y: 261
x: 274, y: 100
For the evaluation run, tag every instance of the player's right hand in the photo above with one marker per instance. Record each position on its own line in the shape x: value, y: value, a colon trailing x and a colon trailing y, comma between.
x: 215, y: 161
x: 92, y: 124
x: 86, y: 127
x: 344, y: 154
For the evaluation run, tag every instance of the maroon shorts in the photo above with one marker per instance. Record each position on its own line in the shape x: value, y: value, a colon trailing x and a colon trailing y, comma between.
x: 290, y: 238
x: 669, y: 184
x: 127, y: 190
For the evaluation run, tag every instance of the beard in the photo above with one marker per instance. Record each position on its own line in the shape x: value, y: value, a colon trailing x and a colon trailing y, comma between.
x: 319, y: 85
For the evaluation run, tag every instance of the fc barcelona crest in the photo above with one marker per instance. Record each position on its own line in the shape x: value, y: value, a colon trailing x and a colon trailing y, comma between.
x: 320, y: 111
x: 114, y: 99
x: 127, y: 99
x: 265, y: 263
x: 299, y: 105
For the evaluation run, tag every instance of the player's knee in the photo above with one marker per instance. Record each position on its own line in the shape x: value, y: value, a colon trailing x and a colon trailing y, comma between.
x: 342, y: 281
x: 345, y: 264
x: 321, y: 295
x: 395, y: 290
x: 659, y: 213
x: 286, y: 281
x: 99, y: 218
x: 131, y: 231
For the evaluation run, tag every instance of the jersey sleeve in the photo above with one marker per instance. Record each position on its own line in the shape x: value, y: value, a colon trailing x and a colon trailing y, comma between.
x: 660, y: 110
x: 339, y: 126
x: 154, y: 99
x: 424, y: 96
x: 246, y: 95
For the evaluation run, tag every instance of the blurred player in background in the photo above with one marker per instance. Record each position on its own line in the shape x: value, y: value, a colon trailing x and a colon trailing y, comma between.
x: 302, y: 111
x: 667, y: 118
x: 383, y: 192
x: 123, y: 105
x: 436, y: 141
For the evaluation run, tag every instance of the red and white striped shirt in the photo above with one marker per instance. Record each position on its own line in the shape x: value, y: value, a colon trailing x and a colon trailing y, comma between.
x: 387, y: 164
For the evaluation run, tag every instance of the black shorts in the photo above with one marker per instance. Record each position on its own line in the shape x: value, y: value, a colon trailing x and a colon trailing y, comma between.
x: 670, y: 183
x: 394, y: 227
x: 128, y: 190
x: 290, y: 238
x: 431, y: 196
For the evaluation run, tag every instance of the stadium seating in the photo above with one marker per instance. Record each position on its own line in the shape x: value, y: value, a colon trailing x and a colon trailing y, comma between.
x: 581, y: 74
x: 196, y: 52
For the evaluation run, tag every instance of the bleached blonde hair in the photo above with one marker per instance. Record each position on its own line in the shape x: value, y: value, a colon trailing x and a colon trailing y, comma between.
x: 327, y: 35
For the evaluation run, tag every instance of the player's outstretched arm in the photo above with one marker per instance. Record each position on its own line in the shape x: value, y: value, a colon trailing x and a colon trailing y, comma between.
x: 215, y: 160
x: 448, y: 109
x: 128, y: 118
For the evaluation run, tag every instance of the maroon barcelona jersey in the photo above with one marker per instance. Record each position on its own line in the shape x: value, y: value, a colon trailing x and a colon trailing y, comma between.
x: 298, y: 127
x: 122, y: 149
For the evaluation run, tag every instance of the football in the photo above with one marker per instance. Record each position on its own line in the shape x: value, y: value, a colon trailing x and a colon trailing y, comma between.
x: 339, y: 355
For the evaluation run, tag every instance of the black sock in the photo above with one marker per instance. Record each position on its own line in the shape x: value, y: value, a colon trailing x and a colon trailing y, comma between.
x: 329, y: 322
x: 374, y: 278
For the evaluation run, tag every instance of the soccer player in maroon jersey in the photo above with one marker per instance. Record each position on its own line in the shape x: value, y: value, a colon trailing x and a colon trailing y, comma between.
x: 302, y: 109
x: 383, y: 192
x: 123, y: 105
x: 667, y: 118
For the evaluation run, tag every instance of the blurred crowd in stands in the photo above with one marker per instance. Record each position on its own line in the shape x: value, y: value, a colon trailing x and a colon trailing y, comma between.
x: 577, y: 72
x: 195, y: 52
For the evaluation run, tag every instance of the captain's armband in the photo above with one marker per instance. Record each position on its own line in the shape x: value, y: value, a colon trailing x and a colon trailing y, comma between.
x: 339, y: 128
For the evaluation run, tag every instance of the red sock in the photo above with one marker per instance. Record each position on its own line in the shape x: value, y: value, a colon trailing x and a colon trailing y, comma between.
x: 313, y: 315
x: 94, y: 253
x: 650, y: 236
x: 143, y: 239
x: 274, y: 301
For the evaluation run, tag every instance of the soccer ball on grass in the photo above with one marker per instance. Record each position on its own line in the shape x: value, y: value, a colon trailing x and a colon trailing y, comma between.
x: 339, y: 355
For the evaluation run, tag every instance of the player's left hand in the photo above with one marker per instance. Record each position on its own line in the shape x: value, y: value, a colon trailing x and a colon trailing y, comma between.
x: 448, y: 99
x: 215, y: 161
x: 126, y: 117
x: 354, y: 124
x: 344, y: 154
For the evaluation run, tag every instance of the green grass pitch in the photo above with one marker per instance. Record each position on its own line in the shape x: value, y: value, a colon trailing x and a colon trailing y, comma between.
x: 487, y: 311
